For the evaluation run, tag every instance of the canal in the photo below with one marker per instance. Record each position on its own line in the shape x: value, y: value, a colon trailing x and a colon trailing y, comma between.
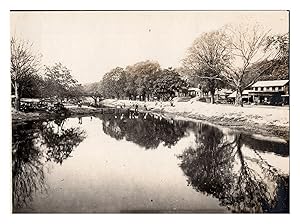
x: 145, y: 163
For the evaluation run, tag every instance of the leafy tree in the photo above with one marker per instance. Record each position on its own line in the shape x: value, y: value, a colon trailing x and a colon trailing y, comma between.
x: 131, y: 83
x: 33, y: 87
x: 113, y: 83
x: 205, y: 60
x: 59, y: 82
x: 24, y: 67
x: 168, y: 83
x: 142, y: 77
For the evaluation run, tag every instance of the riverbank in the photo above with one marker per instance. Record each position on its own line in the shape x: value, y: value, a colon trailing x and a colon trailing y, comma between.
x: 18, y: 116
x: 264, y: 120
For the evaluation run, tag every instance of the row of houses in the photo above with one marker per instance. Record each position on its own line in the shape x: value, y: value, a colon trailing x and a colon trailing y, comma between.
x: 274, y: 92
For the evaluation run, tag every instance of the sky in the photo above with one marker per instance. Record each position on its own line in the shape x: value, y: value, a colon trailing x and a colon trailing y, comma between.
x: 92, y: 43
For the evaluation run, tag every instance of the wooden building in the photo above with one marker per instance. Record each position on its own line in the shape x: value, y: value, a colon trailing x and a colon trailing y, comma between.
x: 275, y: 92
x: 193, y: 92
x: 245, y: 97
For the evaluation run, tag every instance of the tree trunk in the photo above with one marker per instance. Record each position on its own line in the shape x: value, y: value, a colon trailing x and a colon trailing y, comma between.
x: 238, y: 141
x: 212, y: 97
x: 95, y: 99
x: 17, y: 97
x: 238, y: 98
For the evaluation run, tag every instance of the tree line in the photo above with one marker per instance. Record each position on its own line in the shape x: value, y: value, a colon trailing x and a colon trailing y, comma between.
x: 144, y: 80
x: 234, y: 57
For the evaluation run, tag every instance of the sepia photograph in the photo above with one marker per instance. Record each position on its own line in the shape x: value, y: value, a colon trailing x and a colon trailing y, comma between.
x: 150, y: 111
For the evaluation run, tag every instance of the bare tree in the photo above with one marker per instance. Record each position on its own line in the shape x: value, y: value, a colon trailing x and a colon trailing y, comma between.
x: 206, y: 58
x: 24, y: 64
x: 251, y: 56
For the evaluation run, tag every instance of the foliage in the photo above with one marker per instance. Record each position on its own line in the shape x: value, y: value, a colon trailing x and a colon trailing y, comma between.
x: 168, y: 83
x: 143, y: 80
x: 280, y: 66
x: 92, y: 88
x: 114, y: 83
x: 142, y: 76
x: 205, y: 60
x: 59, y: 82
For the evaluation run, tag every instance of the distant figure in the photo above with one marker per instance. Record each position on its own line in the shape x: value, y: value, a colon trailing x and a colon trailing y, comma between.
x: 80, y: 120
x: 145, y: 116
x: 145, y: 107
x: 91, y: 118
x: 172, y: 121
x: 136, y: 115
x: 136, y: 108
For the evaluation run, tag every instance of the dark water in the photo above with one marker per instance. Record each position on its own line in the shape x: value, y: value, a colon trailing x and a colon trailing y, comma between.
x: 145, y: 163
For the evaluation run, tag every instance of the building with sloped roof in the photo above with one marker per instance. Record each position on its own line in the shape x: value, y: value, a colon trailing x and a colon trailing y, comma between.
x: 274, y: 92
x: 245, y: 96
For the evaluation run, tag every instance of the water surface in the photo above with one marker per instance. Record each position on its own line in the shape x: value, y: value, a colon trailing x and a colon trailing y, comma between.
x: 145, y: 163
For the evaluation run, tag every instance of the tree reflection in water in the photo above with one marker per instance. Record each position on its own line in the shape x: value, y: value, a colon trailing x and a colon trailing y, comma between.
x: 145, y: 130
x: 27, y: 164
x: 28, y: 157
x: 219, y: 167
x: 60, y: 142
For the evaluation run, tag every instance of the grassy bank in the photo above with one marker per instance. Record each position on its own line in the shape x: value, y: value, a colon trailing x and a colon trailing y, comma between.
x: 264, y: 120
